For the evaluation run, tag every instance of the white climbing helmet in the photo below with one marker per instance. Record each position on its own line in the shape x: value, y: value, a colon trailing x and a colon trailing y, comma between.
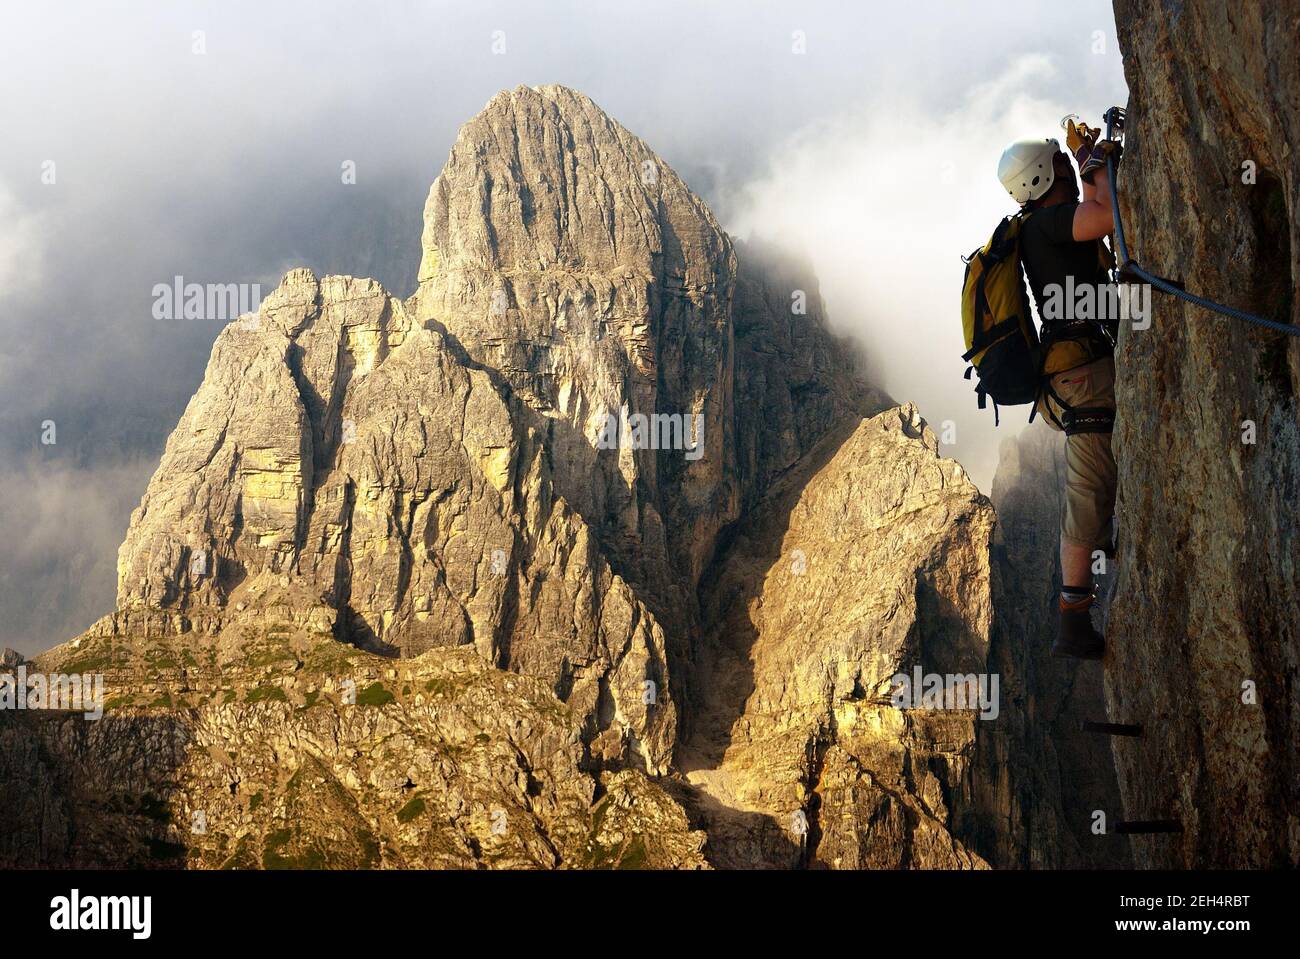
x: 1026, y: 168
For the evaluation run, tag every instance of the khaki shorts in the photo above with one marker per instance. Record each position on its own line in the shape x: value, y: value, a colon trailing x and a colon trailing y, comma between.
x: 1090, y: 473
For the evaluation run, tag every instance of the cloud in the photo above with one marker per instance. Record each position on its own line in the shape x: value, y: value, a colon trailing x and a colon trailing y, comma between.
x: 61, y: 527
x: 21, y: 245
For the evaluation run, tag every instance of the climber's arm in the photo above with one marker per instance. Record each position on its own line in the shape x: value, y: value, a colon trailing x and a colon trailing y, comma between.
x: 1094, y: 218
x: 1089, y: 190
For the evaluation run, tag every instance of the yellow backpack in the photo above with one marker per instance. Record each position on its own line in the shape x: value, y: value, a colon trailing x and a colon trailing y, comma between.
x: 1001, y: 341
x: 1002, y: 344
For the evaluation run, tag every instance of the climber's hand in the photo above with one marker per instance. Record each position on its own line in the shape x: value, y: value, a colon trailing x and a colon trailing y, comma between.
x: 1080, y: 140
x: 1096, y: 160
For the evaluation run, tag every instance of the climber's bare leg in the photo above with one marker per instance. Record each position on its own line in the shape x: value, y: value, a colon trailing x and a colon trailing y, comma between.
x: 1076, y: 565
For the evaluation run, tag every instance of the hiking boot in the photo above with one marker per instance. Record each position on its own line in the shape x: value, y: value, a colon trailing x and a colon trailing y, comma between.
x: 1075, y: 636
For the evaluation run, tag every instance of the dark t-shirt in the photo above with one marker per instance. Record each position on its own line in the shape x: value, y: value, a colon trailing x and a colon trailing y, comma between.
x: 1051, y: 255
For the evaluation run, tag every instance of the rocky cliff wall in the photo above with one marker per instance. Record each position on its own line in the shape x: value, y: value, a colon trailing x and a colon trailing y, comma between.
x: 343, y: 463
x: 285, y: 750
x: 1204, y: 631
x: 870, y: 558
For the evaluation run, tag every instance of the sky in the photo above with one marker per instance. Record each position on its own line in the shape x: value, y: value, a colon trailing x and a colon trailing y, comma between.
x: 144, y: 140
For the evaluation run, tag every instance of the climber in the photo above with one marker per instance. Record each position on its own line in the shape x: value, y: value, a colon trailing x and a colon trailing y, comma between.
x: 1061, y: 248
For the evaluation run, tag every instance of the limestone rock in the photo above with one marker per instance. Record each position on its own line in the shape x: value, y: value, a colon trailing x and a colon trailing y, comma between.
x: 1205, y: 624
x: 562, y: 252
x: 869, y: 558
x: 426, y: 474
x: 347, y: 468
x: 795, y: 381
x: 302, y: 753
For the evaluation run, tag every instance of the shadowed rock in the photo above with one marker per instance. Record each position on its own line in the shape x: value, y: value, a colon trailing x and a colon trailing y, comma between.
x: 1205, y: 623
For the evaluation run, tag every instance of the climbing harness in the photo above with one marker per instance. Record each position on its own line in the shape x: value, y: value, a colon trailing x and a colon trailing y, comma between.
x: 1091, y: 419
x: 1076, y: 419
x: 1115, y: 118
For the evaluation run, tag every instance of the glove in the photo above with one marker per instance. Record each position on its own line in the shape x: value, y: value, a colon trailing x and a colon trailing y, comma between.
x: 1096, y: 159
x: 1080, y: 139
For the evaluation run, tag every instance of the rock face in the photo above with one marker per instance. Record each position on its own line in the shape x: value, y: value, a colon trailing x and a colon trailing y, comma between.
x: 1205, y: 624
x: 562, y: 252
x: 505, y: 574
x: 802, y: 380
x: 339, y: 452
x: 286, y: 751
x: 431, y: 474
x: 1037, y: 775
x: 869, y: 558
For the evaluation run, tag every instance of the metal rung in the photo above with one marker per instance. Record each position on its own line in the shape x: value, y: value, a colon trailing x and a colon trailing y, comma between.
x: 1110, y: 729
x: 1149, y: 825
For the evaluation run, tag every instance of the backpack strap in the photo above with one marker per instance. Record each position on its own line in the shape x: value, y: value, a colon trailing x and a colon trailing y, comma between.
x: 981, y: 396
x: 1047, y: 406
x: 981, y: 339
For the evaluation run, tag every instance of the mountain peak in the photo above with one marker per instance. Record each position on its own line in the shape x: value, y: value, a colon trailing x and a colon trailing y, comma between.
x: 543, y: 178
